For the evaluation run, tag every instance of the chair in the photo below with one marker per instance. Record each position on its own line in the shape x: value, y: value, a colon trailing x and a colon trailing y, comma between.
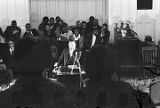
x: 149, y: 55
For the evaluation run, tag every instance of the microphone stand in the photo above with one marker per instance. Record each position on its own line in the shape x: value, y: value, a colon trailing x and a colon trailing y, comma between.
x: 79, y: 68
x: 74, y: 62
x: 80, y: 75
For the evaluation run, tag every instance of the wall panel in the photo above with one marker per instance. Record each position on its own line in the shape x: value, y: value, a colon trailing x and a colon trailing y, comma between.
x: 68, y: 10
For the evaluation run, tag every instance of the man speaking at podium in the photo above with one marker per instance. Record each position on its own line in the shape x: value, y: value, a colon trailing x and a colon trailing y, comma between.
x: 70, y: 55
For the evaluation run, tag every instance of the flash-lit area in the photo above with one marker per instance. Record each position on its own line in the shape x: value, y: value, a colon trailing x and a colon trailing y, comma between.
x: 79, y: 54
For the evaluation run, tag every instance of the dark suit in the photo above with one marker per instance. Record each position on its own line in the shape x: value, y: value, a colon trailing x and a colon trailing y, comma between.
x: 10, y: 35
x: 106, y: 36
x: 28, y: 34
x: 53, y: 29
x: 6, y: 54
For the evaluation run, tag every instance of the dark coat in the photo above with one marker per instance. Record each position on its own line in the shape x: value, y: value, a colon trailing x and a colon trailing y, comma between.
x: 10, y: 35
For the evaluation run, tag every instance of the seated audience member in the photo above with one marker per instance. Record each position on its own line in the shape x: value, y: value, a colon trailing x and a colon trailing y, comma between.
x: 52, y: 28
x: 47, y: 34
x: 58, y: 28
x: 41, y: 27
x: 8, y: 54
x: 83, y: 28
x: 87, y: 34
x: 78, y: 25
x: 2, y: 39
x: 53, y: 38
x: 86, y: 40
x: 78, y: 38
x: 96, y: 25
x: 68, y: 55
x: 12, y: 32
x: 47, y: 31
x: 90, y: 23
x: 58, y: 19
x: 105, y: 34
x: 102, y: 89
x: 35, y: 32
x: 148, y: 41
x: 64, y: 32
x: 32, y: 90
x: 28, y: 33
x: 96, y: 39
x: 36, y: 37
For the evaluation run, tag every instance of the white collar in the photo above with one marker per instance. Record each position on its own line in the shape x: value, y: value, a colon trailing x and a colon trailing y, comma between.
x: 76, y: 38
x: 30, y: 32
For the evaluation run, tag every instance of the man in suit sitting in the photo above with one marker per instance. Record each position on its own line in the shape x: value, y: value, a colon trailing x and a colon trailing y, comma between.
x: 28, y: 33
x: 12, y: 32
x: 8, y: 53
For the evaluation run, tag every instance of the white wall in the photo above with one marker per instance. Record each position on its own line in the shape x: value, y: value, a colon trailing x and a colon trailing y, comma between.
x: 14, y: 10
x: 146, y: 22
x: 68, y: 10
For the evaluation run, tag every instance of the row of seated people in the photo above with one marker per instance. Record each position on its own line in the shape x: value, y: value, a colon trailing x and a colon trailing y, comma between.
x: 33, y: 90
x: 50, y: 29
x: 57, y: 34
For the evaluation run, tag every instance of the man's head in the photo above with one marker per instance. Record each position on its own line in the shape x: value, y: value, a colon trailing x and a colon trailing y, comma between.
x: 84, y: 25
x: 99, y: 63
x: 78, y: 24
x: 45, y: 20
x: 14, y: 23
x: 51, y: 21
x: 10, y: 43
x: 28, y: 27
x: 91, y: 18
x: 64, y: 28
x: 61, y: 23
x: 148, y: 38
x: 104, y: 26
x: 76, y: 31
x: 58, y: 19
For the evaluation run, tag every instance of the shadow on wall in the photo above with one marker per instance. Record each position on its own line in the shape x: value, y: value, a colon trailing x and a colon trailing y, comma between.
x: 34, y: 20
